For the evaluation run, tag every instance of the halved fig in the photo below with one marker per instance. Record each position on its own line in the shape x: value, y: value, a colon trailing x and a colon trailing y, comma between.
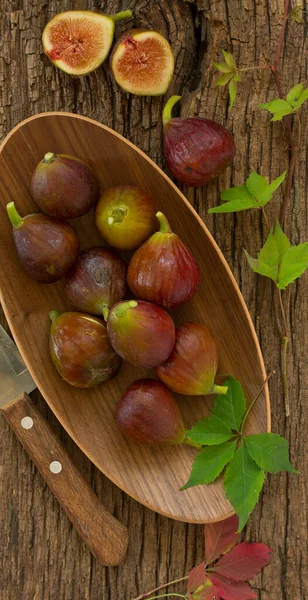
x: 142, y: 62
x: 78, y: 41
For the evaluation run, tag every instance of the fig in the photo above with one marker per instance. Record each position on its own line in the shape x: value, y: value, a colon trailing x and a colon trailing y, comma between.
x: 163, y: 270
x: 141, y: 333
x: 125, y: 216
x: 78, y: 41
x: 192, y: 365
x: 80, y: 349
x: 196, y: 149
x: 64, y: 186
x: 46, y: 247
x: 148, y: 413
x: 142, y: 62
x: 96, y: 281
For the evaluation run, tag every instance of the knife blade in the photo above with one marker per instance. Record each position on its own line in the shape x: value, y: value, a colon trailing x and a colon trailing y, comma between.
x: 14, y: 375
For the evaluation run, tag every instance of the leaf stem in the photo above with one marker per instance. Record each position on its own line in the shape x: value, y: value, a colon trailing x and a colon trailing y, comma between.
x: 168, y: 595
x: 250, y: 407
x: 284, y: 356
x: 282, y: 32
x: 161, y: 587
x: 256, y: 68
x: 265, y: 217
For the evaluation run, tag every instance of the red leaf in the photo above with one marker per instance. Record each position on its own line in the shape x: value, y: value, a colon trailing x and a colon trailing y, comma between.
x: 196, y: 578
x: 243, y: 562
x: 232, y: 590
x: 207, y: 592
x: 220, y: 537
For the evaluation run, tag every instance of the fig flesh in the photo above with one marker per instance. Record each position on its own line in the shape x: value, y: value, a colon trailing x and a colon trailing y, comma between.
x: 196, y: 149
x: 142, y: 62
x: 192, y: 365
x: 96, y: 281
x: 141, y: 333
x: 125, y: 216
x: 78, y: 41
x: 80, y: 349
x: 46, y: 247
x: 147, y: 413
x: 64, y: 187
x: 163, y: 270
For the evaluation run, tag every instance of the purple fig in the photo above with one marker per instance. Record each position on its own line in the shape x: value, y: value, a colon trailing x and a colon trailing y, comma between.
x: 192, y: 365
x: 46, y: 247
x: 196, y: 149
x: 141, y: 333
x: 80, y: 349
x: 64, y: 186
x: 147, y: 413
x: 96, y: 281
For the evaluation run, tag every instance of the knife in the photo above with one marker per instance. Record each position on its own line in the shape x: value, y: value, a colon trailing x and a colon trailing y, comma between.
x: 105, y: 536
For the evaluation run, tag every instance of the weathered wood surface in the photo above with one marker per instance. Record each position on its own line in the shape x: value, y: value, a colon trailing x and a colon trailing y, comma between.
x: 42, y: 557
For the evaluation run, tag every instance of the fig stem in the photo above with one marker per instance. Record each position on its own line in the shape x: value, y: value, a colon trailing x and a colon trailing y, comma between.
x: 124, y: 306
x: 53, y: 315
x: 219, y: 389
x: 168, y: 108
x: 13, y: 215
x: 190, y: 442
x: 49, y: 157
x: 105, y: 310
x: 163, y: 222
x: 123, y: 14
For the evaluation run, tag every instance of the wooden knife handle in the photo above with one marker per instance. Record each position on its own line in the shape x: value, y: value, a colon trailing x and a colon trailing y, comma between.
x: 106, y: 537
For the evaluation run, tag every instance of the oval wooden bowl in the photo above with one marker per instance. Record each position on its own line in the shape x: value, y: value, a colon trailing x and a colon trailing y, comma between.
x: 151, y: 475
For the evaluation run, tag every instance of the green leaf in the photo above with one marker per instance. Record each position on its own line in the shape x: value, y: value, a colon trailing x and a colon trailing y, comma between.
x: 272, y: 187
x: 223, y: 67
x: 270, y: 452
x: 243, y: 482
x: 257, y: 185
x: 297, y: 14
x: 272, y: 255
x: 294, y: 93
x: 229, y: 59
x: 302, y: 98
x: 237, y: 198
x: 209, y: 463
x: 294, y: 263
x: 237, y: 193
x: 231, y: 406
x: 210, y: 432
x: 223, y: 79
x: 282, y: 113
x: 232, y: 92
x: 276, y: 105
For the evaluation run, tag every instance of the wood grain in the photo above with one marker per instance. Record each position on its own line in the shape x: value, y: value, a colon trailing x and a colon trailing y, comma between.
x: 152, y: 475
x: 105, y: 536
x: 41, y: 557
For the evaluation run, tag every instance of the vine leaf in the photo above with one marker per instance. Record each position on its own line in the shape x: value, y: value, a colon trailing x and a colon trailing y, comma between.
x: 232, y: 590
x: 270, y: 452
x: 199, y: 586
x: 209, y: 463
x: 280, y: 107
x: 231, y: 406
x: 243, y: 562
x: 210, y: 432
x: 256, y: 193
x: 230, y: 75
x: 278, y: 260
x: 243, y: 482
x: 220, y: 538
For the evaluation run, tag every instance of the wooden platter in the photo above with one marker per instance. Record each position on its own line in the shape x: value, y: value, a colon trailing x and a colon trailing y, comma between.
x: 151, y: 475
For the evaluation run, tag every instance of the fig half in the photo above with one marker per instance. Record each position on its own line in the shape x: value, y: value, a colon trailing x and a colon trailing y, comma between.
x: 142, y: 62
x: 196, y: 149
x: 78, y: 41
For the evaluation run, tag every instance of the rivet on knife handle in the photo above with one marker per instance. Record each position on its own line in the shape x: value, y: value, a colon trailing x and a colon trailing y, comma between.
x: 106, y: 537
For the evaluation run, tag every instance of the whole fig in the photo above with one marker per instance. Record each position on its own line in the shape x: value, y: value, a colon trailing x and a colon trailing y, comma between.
x: 80, y: 349
x: 196, y: 149
x: 192, y: 365
x: 64, y: 186
x: 141, y: 332
x: 147, y: 413
x: 46, y: 247
x: 96, y: 281
x: 163, y: 270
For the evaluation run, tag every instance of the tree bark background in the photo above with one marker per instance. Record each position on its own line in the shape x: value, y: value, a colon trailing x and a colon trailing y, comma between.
x: 42, y: 557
